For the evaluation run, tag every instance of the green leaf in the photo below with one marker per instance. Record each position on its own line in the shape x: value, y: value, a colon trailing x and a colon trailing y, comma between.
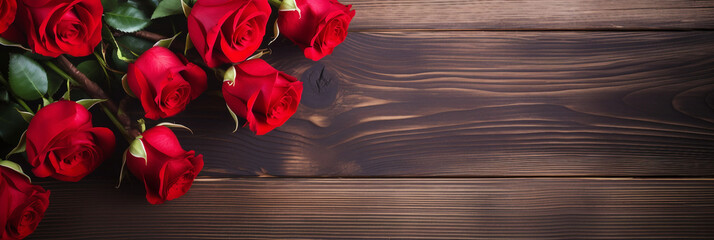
x: 15, y: 167
x: 94, y: 71
x: 8, y: 43
x: 109, y: 5
x: 26, y: 115
x: 136, y: 149
x: 54, y: 81
x: 20, y: 146
x: 28, y: 80
x: 4, y: 96
x: 127, y: 18
x: 107, y: 35
x: 167, y: 8
x: 135, y: 46
x: 174, y: 125
x: 166, y: 42
x: 11, y: 123
x: 89, y: 103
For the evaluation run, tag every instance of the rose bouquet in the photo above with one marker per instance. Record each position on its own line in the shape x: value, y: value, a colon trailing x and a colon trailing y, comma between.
x: 62, y: 61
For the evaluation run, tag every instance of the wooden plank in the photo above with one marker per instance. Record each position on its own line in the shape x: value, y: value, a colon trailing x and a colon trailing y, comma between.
x: 387, y: 208
x: 532, y: 14
x: 482, y: 104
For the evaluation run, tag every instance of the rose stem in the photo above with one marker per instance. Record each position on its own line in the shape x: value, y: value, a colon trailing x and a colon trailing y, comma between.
x: 96, y: 92
x: 106, y: 111
x: 156, y: 37
x: 18, y: 99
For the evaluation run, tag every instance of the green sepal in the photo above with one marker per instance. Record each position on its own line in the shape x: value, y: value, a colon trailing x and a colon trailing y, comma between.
x: 15, y: 167
x: 26, y: 115
x: 89, y: 103
x: 230, y: 75
x: 20, y: 146
x: 186, y: 8
x: 125, y: 86
x: 142, y: 124
x: 188, y: 45
x: 136, y: 149
x: 174, y: 125
x: 235, y: 118
x: 122, y: 169
x: 8, y: 43
x: 166, y: 42
x: 290, y: 5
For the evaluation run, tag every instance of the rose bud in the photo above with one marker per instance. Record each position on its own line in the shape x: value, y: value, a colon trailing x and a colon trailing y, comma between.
x: 317, y: 26
x: 61, y: 142
x: 8, y: 8
x: 227, y: 31
x: 54, y: 27
x: 22, y: 205
x: 164, y: 82
x: 265, y: 97
x: 156, y: 157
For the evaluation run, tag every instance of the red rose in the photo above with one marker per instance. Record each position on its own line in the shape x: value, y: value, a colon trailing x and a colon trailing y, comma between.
x: 54, y: 27
x: 265, y: 97
x: 227, y: 31
x: 164, y: 82
x: 8, y: 8
x: 156, y: 157
x: 22, y: 205
x: 318, y: 27
x: 62, y: 143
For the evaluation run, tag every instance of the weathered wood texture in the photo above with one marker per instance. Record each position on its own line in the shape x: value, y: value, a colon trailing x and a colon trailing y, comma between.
x: 482, y: 104
x: 386, y: 208
x: 532, y: 14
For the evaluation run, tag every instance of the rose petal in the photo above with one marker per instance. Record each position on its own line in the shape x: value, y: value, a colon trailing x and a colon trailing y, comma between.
x: 196, y: 77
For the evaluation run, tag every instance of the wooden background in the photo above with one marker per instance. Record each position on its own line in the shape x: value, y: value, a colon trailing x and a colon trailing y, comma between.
x: 453, y: 119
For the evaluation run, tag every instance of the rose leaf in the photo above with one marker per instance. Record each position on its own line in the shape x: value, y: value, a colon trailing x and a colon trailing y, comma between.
x: 28, y: 80
x: 127, y: 18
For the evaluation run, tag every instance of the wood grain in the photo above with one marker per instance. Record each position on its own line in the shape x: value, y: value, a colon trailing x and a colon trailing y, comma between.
x: 483, y: 104
x: 532, y: 14
x: 386, y: 208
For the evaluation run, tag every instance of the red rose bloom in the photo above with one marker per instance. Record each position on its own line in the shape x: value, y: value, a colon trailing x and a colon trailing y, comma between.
x: 164, y: 82
x: 62, y: 143
x: 227, y: 31
x: 54, y: 27
x: 318, y: 27
x: 22, y: 205
x: 166, y: 169
x: 265, y: 97
x: 8, y: 8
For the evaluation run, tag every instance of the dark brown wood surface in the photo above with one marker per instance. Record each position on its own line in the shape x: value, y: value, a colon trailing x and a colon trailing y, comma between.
x: 279, y: 208
x: 561, y: 119
x: 483, y: 104
x: 532, y: 14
